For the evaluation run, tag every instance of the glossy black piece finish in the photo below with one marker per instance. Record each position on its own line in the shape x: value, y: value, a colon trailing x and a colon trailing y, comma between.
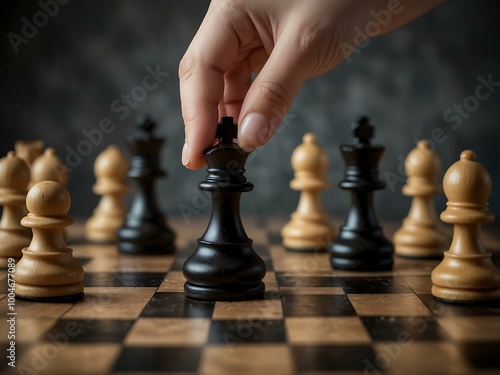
x: 361, y: 244
x: 224, y: 265
x: 145, y: 230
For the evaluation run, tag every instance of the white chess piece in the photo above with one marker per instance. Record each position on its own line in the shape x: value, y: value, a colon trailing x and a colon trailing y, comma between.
x: 110, y: 168
x: 421, y: 235
x: 467, y: 272
x: 309, y: 228
x: 47, y: 270
x: 14, y: 179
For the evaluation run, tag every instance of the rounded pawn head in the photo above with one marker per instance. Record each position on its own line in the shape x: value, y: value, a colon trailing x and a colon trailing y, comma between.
x: 467, y: 185
x: 423, y: 162
x: 422, y: 166
x: 14, y: 173
x: 467, y: 180
x: 309, y: 158
x: 111, y: 163
x: 48, y: 166
x: 48, y: 198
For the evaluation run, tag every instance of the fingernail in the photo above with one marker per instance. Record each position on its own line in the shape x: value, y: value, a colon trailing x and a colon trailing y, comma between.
x: 185, y: 155
x: 254, y: 131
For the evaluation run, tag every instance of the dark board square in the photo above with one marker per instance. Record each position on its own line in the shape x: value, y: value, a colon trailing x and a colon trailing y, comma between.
x: 246, y: 331
x: 307, y: 281
x: 481, y: 355
x: 80, y: 330
x: 123, y: 279
x: 316, y: 305
x: 333, y: 357
x: 439, y: 308
x: 177, y: 305
x: 374, y: 285
x: 158, y: 359
x: 401, y: 329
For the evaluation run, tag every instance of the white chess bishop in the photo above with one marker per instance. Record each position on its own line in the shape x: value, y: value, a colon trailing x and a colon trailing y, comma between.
x: 14, y: 179
x: 421, y: 235
x: 309, y: 228
x: 110, y: 168
x: 467, y: 272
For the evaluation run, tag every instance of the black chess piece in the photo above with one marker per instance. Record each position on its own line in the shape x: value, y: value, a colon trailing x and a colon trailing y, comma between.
x: 224, y: 266
x: 361, y: 244
x: 145, y: 230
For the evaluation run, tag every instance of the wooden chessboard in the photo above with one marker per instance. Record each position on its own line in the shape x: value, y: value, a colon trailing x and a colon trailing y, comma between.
x: 135, y: 319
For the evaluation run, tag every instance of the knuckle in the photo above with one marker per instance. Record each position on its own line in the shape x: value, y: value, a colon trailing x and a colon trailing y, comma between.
x: 186, y: 67
x: 274, y: 92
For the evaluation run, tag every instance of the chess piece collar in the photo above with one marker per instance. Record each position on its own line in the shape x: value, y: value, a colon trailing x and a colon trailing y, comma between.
x: 226, y: 160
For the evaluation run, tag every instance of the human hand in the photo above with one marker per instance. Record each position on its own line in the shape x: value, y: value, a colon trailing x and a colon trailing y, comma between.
x: 285, y: 42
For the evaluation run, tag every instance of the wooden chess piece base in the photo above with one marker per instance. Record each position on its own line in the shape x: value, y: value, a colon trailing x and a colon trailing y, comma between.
x: 416, y: 240
x: 307, y: 234
x: 97, y: 229
x: 49, y: 277
x: 103, y: 226
x: 466, y: 278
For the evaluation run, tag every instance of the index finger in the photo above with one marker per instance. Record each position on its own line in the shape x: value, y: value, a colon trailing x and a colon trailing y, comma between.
x: 201, y: 74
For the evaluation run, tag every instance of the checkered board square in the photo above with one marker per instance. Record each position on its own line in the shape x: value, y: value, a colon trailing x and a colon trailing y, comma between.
x: 135, y: 319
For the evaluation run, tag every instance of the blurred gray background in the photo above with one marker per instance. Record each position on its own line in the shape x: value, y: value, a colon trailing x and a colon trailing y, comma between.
x: 65, y: 79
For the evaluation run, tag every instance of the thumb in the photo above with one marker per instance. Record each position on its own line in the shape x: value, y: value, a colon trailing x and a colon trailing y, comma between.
x: 272, y: 92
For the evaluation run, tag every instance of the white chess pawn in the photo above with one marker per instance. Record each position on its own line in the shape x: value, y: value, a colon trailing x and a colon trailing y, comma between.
x: 47, y: 271
x: 467, y: 272
x: 309, y: 228
x: 14, y: 179
x: 110, y: 168
x: 48, y: 167
x: 29, y: 150
x: 421, y: 235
